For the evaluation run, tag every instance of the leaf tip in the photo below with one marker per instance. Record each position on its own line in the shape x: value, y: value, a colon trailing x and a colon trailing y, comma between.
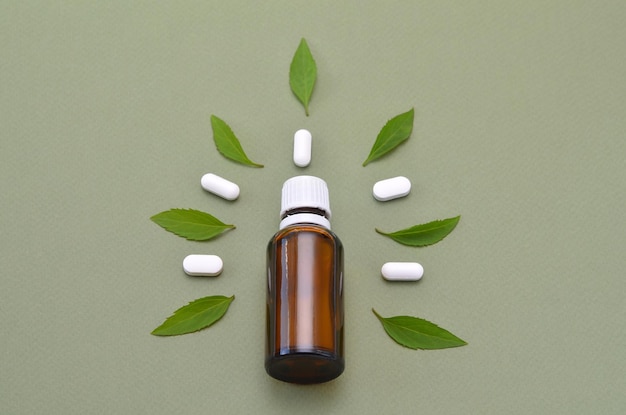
x: 159, y: 332
x: 454, y: 221
x: 368, y: 160
x: 214, y: 120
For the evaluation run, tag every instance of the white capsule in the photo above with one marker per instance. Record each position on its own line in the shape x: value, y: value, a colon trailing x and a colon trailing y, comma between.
x: 302, y: 148
x: 220, y: 186
x: 391, y: 188
x: 402, y: 271
x: 203, y: 265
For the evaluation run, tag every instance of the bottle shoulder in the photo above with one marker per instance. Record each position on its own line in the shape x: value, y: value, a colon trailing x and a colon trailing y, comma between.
x: 305, y: 228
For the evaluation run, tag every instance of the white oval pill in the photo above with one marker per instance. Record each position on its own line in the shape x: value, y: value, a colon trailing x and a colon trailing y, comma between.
x: 203, y: 265
x: 220, y: 186
x: 302, y: 148
x: 391, y: 188
x: 402, y: 271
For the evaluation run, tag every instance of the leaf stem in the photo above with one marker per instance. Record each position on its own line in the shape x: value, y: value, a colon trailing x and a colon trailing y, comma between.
x: 378, y: 316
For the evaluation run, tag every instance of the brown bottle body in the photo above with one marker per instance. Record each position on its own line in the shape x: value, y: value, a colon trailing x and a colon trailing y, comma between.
x: 305, y: 314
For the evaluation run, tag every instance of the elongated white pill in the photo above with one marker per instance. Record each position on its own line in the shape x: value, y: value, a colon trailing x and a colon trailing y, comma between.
x: 393, y: 188
x: 302, y: 148
x: 402, y: 271
x: 219, y: 186
x: 203, y: 265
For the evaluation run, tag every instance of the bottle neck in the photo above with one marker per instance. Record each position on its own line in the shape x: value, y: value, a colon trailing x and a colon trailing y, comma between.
x: 305, y: 215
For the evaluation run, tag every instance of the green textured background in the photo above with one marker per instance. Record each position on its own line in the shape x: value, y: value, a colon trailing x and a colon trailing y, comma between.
x: 520, y: 127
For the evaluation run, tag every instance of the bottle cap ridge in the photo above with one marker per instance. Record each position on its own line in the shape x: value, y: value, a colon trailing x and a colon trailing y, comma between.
x: 305, y: 191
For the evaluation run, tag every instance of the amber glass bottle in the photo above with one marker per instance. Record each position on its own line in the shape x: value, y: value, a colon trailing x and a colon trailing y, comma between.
x: 304, y: 288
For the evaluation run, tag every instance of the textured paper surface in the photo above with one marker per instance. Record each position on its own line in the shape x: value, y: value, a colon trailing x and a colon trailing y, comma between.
x: 519, y: 127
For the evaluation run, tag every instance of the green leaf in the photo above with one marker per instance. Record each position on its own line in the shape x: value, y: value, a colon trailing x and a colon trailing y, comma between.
x: 417, y: 333
x: 425, y: 234
x: 228, y: 144
x: 191, y: 224
x: 396, y: 130
x: 302, y: 74
x: 195, y: 316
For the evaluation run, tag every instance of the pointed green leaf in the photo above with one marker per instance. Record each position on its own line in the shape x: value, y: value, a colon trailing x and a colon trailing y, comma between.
x: 417, y: 333
x: 228, y: 144
x: 395, y: 131
x: 191, y: 224
x: 302, y: 74
x: 195, y: 316
x: 425, y: 234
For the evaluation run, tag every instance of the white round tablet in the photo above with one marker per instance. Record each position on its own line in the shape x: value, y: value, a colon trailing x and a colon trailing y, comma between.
x: 203, y: 265
x: 402, y: 271
x: 393, y: 188
x: 220, y: 186
x: 302, y: 148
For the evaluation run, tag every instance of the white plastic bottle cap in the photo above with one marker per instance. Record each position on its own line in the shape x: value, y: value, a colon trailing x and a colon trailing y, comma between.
x: 302, y: 148
x: 203, y: 265
x: 219, y: 186
x: 391, y: 188
x: 305, y: 192
x: 402, y: 271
